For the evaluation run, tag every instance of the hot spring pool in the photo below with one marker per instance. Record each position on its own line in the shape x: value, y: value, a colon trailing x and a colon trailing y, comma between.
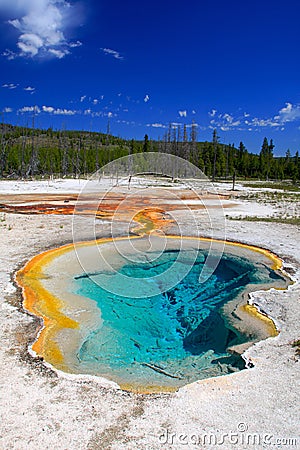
x: 153, y: 342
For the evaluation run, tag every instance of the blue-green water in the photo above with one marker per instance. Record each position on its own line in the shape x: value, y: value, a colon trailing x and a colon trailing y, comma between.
x: 173, y: 338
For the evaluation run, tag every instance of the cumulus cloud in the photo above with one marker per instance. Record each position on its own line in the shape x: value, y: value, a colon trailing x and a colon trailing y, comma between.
x: 41, y: 25
x: 30, y: 43
x: 7, y: 110
x: 146, y: 98
x: 29, y: 89
x: 114, y: 53
x: 182, y: 113
x: 289, y: 113
x: 287, y: 109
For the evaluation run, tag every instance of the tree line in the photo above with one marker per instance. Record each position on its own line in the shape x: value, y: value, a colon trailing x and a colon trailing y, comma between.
x: 29, y: 152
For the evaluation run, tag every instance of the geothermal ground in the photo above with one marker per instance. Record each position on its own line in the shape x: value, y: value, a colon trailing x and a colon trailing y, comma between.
x: 255, y: 408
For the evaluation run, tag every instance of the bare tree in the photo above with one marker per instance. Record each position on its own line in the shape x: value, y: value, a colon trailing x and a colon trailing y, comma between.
x: 33, y: 164
x: 64, y: 150
x: 193, y: 151
x: 185, y: 144
x: 3, y: 148
x: 215, y: 144
x: 23, y: 148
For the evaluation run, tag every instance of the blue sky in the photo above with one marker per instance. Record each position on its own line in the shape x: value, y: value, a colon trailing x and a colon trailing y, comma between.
x: 232, y: 65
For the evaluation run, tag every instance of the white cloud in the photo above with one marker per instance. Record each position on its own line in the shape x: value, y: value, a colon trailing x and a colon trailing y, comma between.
x: 228, y: 118
x: 64, y: 112
x: 146, y: 98
x: 82, y: 98
x: 58, y: 111
x: 115, y: 54
x: 289, y: 113
x: 10, y: 85
x: 41, y: 25
x: 156, y: 125
x: 9, y: 54
x: 7, y: 110
x: 224, y: 121
x: 256, y: 122
x: 58, y: 53
x: 182, y: 113
x: 194, y: 112
x: 287, y: 109
x: 30, y: 44
x: 35, y: 109
x: 110, y: 114
x: 75, y: 44
x: 95, y: 101
x: 48, y: 109
x: 29, y: 89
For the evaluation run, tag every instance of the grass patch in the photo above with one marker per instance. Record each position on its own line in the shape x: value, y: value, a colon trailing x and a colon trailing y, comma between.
x: 288, y: 220
x: 285, y: 186
x: 271, y: 197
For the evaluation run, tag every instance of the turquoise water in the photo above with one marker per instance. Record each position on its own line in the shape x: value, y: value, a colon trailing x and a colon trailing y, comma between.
x: 173, y: 338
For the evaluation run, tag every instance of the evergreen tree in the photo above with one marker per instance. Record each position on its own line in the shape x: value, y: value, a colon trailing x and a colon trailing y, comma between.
x: 146, y: 143
x: 266, y: 158
x: 215, y: 145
